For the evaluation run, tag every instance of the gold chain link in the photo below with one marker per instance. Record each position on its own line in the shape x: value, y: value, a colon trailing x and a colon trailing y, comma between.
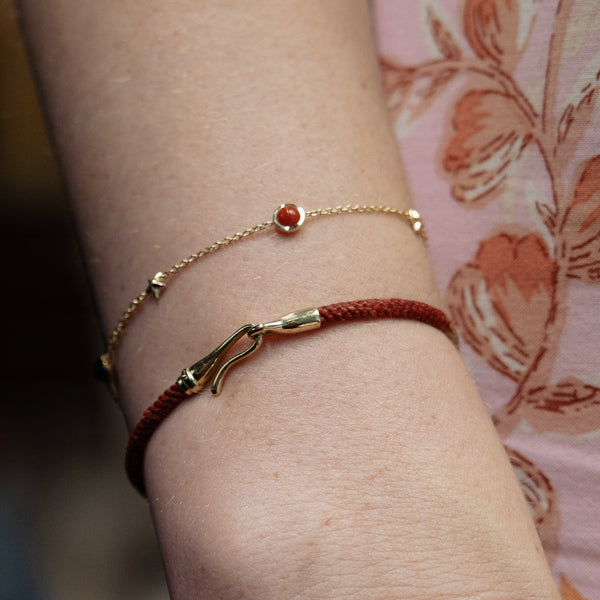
x: 158, y: 283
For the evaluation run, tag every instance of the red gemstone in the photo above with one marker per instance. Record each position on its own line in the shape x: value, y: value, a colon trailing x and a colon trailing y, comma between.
x: 288, y: 215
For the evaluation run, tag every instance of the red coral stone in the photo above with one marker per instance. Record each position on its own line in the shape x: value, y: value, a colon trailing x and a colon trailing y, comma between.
x: 288, y: 215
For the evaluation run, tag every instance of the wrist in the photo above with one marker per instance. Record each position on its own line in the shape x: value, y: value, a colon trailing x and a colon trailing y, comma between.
x: 294, y: 483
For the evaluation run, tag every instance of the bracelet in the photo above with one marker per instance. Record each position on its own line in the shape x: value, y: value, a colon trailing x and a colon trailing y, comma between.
x: 287, y: 218
x: 213, y: 367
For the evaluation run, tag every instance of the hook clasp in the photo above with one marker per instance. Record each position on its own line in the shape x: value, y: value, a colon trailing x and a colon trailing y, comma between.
x: 295, y: 322
x: 215, y: 366
x: 195, y: 378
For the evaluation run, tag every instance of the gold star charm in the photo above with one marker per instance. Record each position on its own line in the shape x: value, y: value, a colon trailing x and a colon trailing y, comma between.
x: 157, y: 284
x: 416, y: 222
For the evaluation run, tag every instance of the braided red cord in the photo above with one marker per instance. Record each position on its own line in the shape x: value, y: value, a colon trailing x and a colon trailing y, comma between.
x: 152, y: 417
x: 392, y: 308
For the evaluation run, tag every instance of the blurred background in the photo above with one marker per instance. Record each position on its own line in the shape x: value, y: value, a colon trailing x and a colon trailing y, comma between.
x: 71, y: 527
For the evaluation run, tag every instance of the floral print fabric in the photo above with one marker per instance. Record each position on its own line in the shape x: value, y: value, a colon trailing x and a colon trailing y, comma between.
x: 495, y: 107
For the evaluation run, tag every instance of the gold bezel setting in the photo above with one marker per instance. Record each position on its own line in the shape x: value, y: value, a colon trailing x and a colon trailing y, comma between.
x: 289, y: 228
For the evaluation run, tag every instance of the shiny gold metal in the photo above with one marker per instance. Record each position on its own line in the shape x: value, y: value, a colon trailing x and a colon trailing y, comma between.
x: 289, y: 228
x: 415, y: 221
x: 300, y: 320
x: 195, y: 378
x: 158, y: 284
x: 220, y: 374
x: 411, y: 216
x: 215, y: 367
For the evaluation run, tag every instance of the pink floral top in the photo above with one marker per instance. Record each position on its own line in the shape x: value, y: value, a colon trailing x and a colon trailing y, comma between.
x: 495, y: 107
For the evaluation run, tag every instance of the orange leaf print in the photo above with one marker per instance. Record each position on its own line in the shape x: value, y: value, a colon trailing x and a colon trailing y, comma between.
x: 571, y: 407
x: 489, y: 133
x: 443, y: 38
x: 395, y: 76
x: 501, y: 301
x: 540, y: 496
x: 411, y: 92
x: 582, y: 225
x: 574, y: 121
x: 495, y: 30
x: 567, y: 591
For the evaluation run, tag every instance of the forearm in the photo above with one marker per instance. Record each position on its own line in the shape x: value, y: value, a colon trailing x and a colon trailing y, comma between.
x: 359, y: 460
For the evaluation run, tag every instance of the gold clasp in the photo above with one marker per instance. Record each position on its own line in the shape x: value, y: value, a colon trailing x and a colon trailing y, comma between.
x: 215, y: 367
x: 300, y: 320
x: 196, y: 378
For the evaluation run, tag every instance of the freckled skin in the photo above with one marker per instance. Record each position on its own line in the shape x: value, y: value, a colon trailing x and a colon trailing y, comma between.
x: 279, y: 103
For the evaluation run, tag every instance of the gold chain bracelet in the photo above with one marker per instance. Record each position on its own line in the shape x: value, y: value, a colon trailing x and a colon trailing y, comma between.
x: 287, y: 218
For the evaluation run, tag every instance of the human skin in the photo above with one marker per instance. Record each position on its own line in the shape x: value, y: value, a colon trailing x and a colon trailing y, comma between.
x: 356, y: 461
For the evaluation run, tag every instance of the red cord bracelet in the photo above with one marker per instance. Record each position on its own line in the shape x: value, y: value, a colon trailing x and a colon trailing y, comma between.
x: 214, y: 366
